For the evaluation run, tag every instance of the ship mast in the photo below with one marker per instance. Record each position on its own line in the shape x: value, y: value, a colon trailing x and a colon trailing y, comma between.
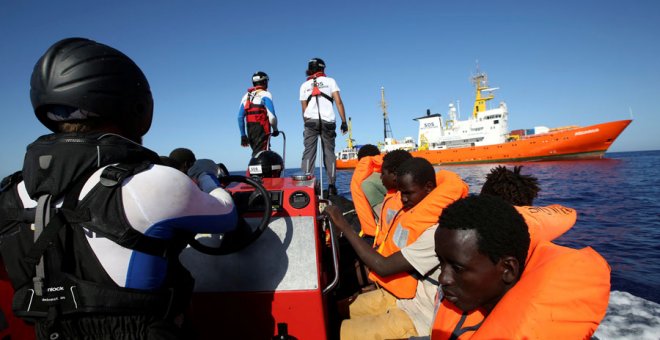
x: 350, y: 140
x: 387, y: 129
x: 480, y: 82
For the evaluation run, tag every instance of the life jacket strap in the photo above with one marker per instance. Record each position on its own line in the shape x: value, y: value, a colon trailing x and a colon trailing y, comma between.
x: 10, y: 180
x: 46, y: 232
x: 316, y: 92
x: 80, y: 296
x: 113, y: 176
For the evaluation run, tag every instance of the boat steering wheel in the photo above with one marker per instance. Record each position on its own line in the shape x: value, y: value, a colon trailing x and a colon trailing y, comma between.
x: 244, y: 234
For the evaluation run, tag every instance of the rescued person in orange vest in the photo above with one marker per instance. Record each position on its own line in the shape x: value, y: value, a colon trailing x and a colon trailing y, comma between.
x: 544, y: 223
x: 491, y: 288
x: 371, y: 189
x: 403, y: 307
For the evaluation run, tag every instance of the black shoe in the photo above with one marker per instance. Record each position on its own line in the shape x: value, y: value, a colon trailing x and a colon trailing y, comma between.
x: 332, y: 190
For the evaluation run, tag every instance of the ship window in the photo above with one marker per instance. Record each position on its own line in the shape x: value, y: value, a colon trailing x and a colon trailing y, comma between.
x: 496, y: 121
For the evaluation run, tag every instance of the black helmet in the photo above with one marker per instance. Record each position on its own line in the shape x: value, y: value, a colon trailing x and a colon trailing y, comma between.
x: 266, y: 164
x: 78, y: 73
x: 315, y: 65
x: 260, y: 79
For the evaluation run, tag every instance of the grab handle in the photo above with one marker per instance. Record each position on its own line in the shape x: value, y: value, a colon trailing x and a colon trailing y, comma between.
x: 333, y: 245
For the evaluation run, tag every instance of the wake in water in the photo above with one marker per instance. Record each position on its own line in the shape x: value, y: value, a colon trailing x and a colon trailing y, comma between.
x: 629, y: 317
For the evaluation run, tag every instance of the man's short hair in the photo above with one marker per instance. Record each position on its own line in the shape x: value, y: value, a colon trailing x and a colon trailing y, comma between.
x: 183, y: 155
x: 419, y: 168
x: 167, y: 161
x: 368, y: 150
x: 393, y: 159
x: 501, y: 230
x: 510, y: 185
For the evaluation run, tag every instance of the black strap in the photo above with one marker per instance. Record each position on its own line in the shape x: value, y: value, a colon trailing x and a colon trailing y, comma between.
x: 315, y: 84
x: 82, y: 296
x: 460, y: 330
x: 61, y: 218
x: 3, y: 322
x: 322, y: 95
x: 47, y: 234
x: 18, y: 215
x: 114, y: 175
x: 10, y: 180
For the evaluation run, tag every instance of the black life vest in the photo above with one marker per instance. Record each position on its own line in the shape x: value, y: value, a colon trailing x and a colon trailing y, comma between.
x: 58, y: 273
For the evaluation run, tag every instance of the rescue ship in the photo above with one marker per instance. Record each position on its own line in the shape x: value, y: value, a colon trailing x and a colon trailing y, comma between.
x: 484, y: 137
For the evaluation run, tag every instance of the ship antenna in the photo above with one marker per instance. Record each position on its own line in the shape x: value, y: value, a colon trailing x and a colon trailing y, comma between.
x: 387, y: 129
x: 458, y: 108
x: 630, y: 110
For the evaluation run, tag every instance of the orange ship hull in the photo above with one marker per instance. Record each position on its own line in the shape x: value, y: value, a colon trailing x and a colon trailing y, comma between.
x: 346, y: 163
x: 578, y: 143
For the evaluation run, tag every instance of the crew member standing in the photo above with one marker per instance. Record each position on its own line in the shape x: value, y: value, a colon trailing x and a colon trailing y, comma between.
x: 317, y: 95
x: 258, y: 110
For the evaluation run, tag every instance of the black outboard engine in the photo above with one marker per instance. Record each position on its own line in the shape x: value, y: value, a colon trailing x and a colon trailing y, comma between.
x: 266, y: 164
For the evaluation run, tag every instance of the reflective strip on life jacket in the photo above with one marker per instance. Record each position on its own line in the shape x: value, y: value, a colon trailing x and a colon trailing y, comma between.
x: 409, y: 225
x: 388, y: 213
x: 562, y: 294
x: 365, y: 168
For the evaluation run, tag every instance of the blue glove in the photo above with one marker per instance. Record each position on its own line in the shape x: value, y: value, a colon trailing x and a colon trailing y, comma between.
x: 275, y: 133
x: 205, y: 173
x: 201, y: 167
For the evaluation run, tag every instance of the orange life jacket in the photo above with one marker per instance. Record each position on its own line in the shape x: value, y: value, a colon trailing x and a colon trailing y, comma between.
x: 365, y: 167
x: 388, y: 213
x: 409, y: 225
x: 546, y: 223
x: 562, y: 294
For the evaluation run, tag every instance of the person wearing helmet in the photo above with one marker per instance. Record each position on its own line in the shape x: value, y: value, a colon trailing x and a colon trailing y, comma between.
x: 91, y: 228
x: 258, y: 110
x: 317, y: 94
x: 266, y: 164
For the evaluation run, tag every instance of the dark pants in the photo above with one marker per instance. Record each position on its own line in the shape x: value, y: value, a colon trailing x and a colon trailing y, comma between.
x: 327, y: 132
x: 258, y: 137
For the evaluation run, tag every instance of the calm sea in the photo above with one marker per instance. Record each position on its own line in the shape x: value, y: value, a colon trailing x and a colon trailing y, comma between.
x: 618, y: 204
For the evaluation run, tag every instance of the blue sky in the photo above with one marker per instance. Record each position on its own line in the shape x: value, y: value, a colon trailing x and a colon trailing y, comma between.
x: 557, y: 63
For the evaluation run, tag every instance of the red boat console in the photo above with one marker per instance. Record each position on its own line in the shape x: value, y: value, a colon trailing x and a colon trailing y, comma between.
x: 278, y: 279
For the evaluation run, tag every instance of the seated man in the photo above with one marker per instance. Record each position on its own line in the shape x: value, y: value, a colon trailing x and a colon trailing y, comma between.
x: 491, y: 288
x: 367, y: 188
x: 544, y: 223
x: 404, y: 306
